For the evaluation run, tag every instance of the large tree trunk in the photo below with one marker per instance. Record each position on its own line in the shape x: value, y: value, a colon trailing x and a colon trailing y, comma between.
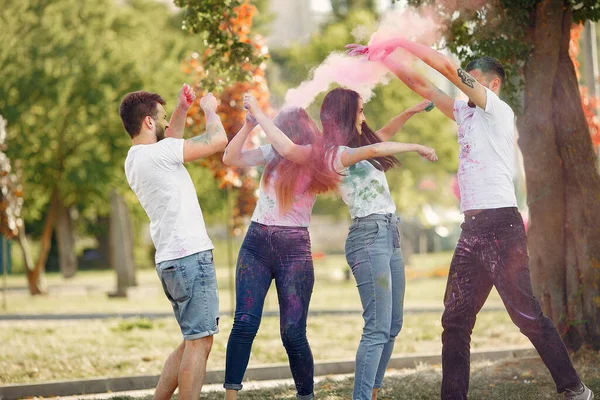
x: 66, y: 242
x: 34, y: 275
x: 563, y: 186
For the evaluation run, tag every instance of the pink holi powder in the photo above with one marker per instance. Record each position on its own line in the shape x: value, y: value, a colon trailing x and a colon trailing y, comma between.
x: 354, y: 73
x: 359, y: 74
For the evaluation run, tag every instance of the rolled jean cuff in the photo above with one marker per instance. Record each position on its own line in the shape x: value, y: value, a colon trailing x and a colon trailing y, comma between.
x: 305, y: 397
x: 233, y: 386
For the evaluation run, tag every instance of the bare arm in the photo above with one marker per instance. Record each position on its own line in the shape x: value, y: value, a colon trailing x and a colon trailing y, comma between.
x: 213, y: 141
x: 289, y: 150
x: 351, y: 156
x: 398, y: 121
x: 235, y: 155
x: 177, y: 122
x: 453, y: 72
x: 420, y: 85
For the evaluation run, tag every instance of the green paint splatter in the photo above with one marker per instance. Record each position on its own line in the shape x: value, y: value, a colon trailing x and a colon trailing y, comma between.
x: 383, y: 282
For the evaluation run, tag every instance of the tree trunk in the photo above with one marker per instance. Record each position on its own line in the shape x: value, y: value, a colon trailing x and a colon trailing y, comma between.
x: 66, y: 242
x: 121, y: 245
x: 563, y: 187
x: 582, y: 202
x: 34, y: 275
x: 102, y: 237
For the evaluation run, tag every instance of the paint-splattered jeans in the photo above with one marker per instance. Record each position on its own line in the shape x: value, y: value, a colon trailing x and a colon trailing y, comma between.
x: 373, y: 253
x: 492, y: 250
x: 283, y: 254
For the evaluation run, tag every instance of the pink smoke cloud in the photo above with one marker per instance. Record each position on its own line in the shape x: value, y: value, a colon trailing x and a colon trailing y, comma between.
x: 359, y: 74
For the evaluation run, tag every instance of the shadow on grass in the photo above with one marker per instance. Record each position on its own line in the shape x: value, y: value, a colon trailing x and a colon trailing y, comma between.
x: 520, y: 379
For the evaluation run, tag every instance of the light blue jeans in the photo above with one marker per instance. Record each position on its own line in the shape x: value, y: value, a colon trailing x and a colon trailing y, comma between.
x: 373, y: 253
x: 190, y: 284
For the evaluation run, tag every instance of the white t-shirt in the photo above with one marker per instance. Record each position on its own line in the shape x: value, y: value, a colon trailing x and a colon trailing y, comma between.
x: 157, y: 176
x: 487, y: 154
x: 363, y: 188
x: 267, y: 211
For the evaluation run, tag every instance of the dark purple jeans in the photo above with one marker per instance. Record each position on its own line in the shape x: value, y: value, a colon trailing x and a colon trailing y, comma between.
x: 281, y: 254
x: 492, y: 250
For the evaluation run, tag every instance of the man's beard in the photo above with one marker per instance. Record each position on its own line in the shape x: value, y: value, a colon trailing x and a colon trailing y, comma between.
x: 160, y: 133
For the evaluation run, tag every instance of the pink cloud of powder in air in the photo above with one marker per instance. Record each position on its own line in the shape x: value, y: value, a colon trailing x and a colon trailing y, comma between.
x: 357, y: 73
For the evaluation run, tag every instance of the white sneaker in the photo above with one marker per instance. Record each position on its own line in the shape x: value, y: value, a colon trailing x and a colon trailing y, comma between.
x: 583, y: 393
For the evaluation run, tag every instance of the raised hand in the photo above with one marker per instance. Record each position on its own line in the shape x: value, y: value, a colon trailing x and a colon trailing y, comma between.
x: 356, y: 50
x: 208, y: 103
x: 250, y: 120
x: 186, y: 96
x: 251, y: 104
x: 427, y: 153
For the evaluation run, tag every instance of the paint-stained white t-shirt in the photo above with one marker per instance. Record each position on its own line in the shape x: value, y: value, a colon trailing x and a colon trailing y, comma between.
x: 267, y: 211
x: 487, y: 156
x: 363, y: 188
x: 157, y: 176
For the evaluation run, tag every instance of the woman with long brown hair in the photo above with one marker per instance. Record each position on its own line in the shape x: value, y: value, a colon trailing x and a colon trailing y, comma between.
x: 277, y: 244
x: 361, y: 157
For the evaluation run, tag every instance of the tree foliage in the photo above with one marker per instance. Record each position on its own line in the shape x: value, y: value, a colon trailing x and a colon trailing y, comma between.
x: 68, y: 64
x: 224, y: 25
x: 498, y: 28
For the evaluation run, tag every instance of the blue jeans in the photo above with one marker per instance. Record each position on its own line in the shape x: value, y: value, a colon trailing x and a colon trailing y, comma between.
x: 283, y: 254
x: 190, y: 284
x: 373, y: 253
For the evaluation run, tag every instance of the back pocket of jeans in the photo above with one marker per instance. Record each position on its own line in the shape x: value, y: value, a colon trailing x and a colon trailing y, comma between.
x: 175, y: 284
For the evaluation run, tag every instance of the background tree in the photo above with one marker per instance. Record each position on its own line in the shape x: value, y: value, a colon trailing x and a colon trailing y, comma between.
x: 231, y: 111
x: 229, y: 57
x: 70, y: 63
x: 531, y: 38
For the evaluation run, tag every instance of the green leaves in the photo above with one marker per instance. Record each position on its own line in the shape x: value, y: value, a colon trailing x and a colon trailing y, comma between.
x: 229, y: 56
x: 66, y: 65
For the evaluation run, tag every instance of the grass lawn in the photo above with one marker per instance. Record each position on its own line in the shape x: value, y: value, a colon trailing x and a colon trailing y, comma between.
x: 86, y: 292
x: 37, y: 351
x: 517, y: 379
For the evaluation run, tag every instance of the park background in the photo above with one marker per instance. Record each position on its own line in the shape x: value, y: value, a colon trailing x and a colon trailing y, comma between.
x: 76, y: 246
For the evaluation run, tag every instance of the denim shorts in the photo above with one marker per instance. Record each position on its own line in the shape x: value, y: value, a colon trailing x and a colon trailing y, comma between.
x: 190, y: 284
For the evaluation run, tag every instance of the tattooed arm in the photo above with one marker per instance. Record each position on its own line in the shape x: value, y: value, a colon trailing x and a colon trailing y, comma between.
x: 213, y: 141
x: 235, y: 155
x: 351, y: 156
x: 399, y: 120
x: 177, y: 123
x: 420, y: 85
x: 453, y: 72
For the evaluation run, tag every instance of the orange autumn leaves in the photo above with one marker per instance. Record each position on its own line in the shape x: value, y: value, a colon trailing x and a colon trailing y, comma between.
x: 589, y: 104
x: 232, y: 114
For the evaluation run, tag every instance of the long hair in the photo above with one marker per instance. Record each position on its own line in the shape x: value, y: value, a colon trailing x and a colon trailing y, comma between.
x: 296, y: 124
x: 338, y: 117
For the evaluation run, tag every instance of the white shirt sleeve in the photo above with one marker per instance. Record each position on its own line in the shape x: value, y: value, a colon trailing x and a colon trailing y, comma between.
x: 267, y: 152
x: 496, y: 110
x: 460, y: 109
x: 168, y: 152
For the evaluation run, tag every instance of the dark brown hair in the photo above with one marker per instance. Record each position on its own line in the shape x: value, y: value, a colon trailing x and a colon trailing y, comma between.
x: 136, y: 106
x: 489, y: 66
x: 296, y: 124
x: 338, y: 117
